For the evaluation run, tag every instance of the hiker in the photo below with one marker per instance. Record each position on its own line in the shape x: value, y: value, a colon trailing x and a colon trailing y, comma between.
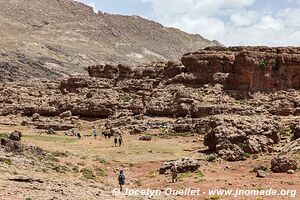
x: 174, y: 172
x: 95, y: 132
x: 120, y: 141
x: 116, y: 141
x: 121, y: 180
x: 78, y: 135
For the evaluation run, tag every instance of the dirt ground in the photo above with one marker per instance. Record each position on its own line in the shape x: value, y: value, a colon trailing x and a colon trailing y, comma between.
x: 88, y: 168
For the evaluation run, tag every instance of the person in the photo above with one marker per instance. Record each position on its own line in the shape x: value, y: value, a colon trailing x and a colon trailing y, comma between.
x: 95, y: 133
x: 174, y: 172
x: 121, y: 180
x: 120, y: 141
x: 116, y: 141
x: 78, y: 135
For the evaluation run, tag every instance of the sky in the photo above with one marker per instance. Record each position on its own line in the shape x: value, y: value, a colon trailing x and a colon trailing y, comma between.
x: 231, y: 22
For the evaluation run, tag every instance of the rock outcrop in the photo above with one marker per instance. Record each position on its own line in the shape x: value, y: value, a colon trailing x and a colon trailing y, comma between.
x: 232, y: 137
x: 246, y: 68
x: 283, y: 165
x: 183, y: 165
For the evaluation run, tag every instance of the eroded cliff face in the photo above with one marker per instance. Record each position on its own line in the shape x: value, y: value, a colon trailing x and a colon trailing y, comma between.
x: 246, y: 68
x: 208, y: 82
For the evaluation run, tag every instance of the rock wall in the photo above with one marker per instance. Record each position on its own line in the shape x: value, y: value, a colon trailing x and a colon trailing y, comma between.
x: 246, y: 68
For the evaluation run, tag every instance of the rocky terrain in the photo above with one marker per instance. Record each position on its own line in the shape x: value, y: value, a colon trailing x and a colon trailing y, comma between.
x: 237, y: 104
x: 241, y: 98
x: 52, y: 38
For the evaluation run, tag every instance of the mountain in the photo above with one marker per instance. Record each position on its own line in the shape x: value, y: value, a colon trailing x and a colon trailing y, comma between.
x: 51, y: 38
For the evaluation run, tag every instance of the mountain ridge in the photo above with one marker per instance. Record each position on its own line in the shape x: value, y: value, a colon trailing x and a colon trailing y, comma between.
x: 47, y: 39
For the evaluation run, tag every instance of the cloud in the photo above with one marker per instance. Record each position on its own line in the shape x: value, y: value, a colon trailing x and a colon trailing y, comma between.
x: 232, y: 22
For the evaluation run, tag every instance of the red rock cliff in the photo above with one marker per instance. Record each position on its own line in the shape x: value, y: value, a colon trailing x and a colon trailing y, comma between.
x: 247, y: 68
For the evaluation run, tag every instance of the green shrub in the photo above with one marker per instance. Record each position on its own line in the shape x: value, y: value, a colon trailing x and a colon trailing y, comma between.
x: 263, y: 65
x: 101, y: 160
x: 212, y: 158
x: 100, y: 172
x: 275, y: 65
x: 87, y: 173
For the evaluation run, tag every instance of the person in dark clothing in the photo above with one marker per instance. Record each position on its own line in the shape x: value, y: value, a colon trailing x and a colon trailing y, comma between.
x: 116, y: 141
x: 121, y: 180
x: 120, y: 141
x: 78, y: 135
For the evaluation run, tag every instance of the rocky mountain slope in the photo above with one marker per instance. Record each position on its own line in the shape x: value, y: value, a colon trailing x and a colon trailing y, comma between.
x: 50, y: 38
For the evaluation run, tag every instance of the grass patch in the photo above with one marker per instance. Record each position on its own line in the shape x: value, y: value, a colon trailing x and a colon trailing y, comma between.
x: 4, y: 135
x: 101, y: 160
x: 6, y: 161
x: 87, y: 173
x: 60, y: 154
x: 100, y: 172
x: 51, y: 138
x: 184, y: 175
x: 245, y: 156
x: 200, y: 174
x: 151, y: 174
x: 212, y: 158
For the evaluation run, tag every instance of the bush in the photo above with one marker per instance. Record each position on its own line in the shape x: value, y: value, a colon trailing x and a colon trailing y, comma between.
x: 212, y: 158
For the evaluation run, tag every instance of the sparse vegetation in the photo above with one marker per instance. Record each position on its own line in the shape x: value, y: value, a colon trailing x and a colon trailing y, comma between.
x: 100, y: 172
x: 6, y: 161
x: 245, y: 156
x: 87, y: 173
x: 60, y: 154
x: 212, y: 158
x: 275, y: 65
x: 263, y: 65
x: 200, y: 174
x: 51, y: 138
x: 3, y: 135
x: 101, y: 160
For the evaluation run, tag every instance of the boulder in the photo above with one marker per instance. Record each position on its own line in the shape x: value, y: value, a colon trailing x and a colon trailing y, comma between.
x: 283, y: 165
x: 145, y: 138
x: 261, y: 174
x: 258, y: 143
x: 296, y: 132
x: 16, y: 136
x: 35, y: 117
x: 65, y: 114
x: 12, y: 145
x: 138, y: 129
x: 183, y: 165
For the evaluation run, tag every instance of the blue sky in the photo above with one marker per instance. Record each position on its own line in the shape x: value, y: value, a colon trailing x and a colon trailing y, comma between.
x: 232, y: 22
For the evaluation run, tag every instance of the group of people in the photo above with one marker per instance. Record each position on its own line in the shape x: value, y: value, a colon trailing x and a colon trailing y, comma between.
x: 118, y: 140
